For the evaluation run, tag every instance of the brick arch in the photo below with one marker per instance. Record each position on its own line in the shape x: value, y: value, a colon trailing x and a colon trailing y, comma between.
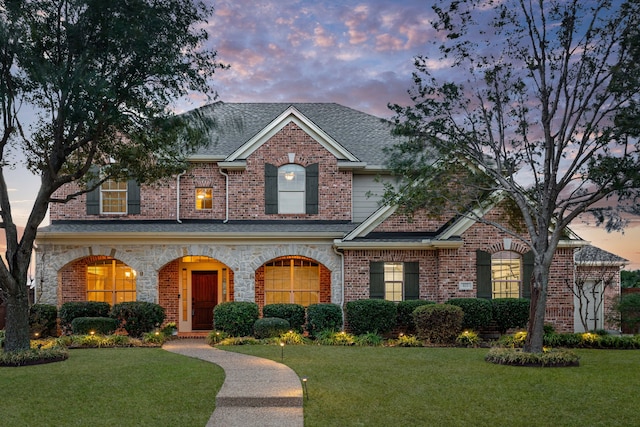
x: 72, y: 278
x: 325, y: 279
x: 515, y: 247
x: 300, y: 159
x: 61, y: 260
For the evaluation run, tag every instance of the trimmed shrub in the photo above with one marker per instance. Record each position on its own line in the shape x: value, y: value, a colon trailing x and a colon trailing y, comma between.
x: 43, y: 320
x: 323, y: 316
x: 510, y: 313
x: 371, y: 315
x: 70, y: 310
x: 405, y: 314
x: 138, y: 317
x: 293, y: 313
x: 270, y: 327
x: 99, y: 325
x: 236, y: 317
x: 478, y: 312
x: 438, y: 323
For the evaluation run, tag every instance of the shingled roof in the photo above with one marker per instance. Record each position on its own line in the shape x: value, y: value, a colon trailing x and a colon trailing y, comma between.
x: 593, y: 255
x: 360, y: 133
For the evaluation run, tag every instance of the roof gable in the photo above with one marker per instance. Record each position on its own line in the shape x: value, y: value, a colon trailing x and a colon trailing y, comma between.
x: 291, y: 114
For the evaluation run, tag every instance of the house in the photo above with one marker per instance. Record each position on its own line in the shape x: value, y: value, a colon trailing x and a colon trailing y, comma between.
x: 277, y: 209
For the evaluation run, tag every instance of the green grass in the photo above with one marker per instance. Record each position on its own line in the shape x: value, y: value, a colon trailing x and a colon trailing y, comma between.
x: 373, y: 386
x: 111, y: 387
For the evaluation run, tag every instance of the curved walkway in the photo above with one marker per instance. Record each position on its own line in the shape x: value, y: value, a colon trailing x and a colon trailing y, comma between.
x: 256, y: 391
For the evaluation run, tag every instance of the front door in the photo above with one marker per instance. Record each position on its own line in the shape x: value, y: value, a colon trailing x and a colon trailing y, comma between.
x: 204, y: 297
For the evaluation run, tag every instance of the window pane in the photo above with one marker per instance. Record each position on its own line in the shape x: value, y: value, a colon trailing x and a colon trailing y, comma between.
x: 291, y: 178
x: 292, y: 281
x: 506, y: 274
x: 291, y: 202
x: 113, y: 195
x: 204, y: 198
x: 110, y: 281
x: 393, y: 280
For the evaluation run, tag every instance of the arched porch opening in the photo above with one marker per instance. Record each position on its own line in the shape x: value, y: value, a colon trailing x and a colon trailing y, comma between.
x: 292, y: 279
x: 190, y: 287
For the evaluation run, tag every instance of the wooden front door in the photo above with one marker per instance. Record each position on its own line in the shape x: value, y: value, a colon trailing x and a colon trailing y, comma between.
x: 204, y: 297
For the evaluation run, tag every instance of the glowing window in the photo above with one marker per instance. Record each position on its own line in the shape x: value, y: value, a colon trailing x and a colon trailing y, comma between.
x: 113, y: 197
x: 292, y: 281
x: 506, y: 274
x: 110, y: 281
x: 204, y: 198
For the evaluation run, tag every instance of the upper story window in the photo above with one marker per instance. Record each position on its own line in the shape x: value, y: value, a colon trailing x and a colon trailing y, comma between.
x: 113, y: 197
x: 291, y: 189
x: 394, y: 281
x: 204, y: 198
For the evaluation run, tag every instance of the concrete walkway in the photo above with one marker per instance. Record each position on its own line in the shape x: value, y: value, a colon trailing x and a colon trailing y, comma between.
x: 256, y: 391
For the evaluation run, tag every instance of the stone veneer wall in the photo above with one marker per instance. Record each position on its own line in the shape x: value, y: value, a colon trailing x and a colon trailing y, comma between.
x: 59, y: 266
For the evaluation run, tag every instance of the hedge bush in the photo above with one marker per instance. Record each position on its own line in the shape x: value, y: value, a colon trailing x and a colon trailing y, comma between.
x: 478, y: 312
x: 270, y: 327
x: 510, y: 313
x: 236, y: 318
x: 99, y: 325
x: 322, y: 317
x: 371, y: 315
x: 405, y: 314
x: 138, y: 317
x: 438, y: 323
x: 43, y: 320
x: 293, y: 313
x: 629, y: 308
x: 70, y: 310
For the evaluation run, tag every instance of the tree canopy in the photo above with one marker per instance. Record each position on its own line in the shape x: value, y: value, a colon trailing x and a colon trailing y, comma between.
x: 531, y: 102
x: 102, y: 78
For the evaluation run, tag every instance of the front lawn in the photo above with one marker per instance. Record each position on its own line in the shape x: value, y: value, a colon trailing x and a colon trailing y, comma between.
x: 111, y: 387
x: 382, y: 386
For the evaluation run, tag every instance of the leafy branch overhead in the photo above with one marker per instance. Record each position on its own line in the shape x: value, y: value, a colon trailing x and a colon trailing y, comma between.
x: 537, y: 102
x: 103, y: 79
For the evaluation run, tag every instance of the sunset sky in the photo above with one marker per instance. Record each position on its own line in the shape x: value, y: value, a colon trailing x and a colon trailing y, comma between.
x: 356, y: 53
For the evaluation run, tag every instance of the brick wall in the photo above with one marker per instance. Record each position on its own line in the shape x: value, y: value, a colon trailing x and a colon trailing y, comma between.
x: 169, y: 289
x: 246, y: 188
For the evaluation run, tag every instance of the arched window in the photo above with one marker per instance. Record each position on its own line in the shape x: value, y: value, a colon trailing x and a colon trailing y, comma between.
x: 110, y: 281
x: 291, y: 189
x: 292, y: 281
x: 506, y: 274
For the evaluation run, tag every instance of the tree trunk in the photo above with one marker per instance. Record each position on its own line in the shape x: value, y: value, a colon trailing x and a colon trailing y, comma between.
x: 535, y: 329
x: 17, y: 326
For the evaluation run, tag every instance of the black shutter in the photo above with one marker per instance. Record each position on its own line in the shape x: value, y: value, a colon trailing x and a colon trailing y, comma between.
x: 483, y: 274
x: 133, y: 197
x: 311, y: 184
x: 411, y: 281
x: 527, y: 273
x: 376, y: 280
x: 270, y: 189
x: 93, y: 196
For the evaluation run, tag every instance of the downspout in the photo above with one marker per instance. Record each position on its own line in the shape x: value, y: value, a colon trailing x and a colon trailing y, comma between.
x: 178, y: 196
x: 226, y: 196
x: 341, y: 255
